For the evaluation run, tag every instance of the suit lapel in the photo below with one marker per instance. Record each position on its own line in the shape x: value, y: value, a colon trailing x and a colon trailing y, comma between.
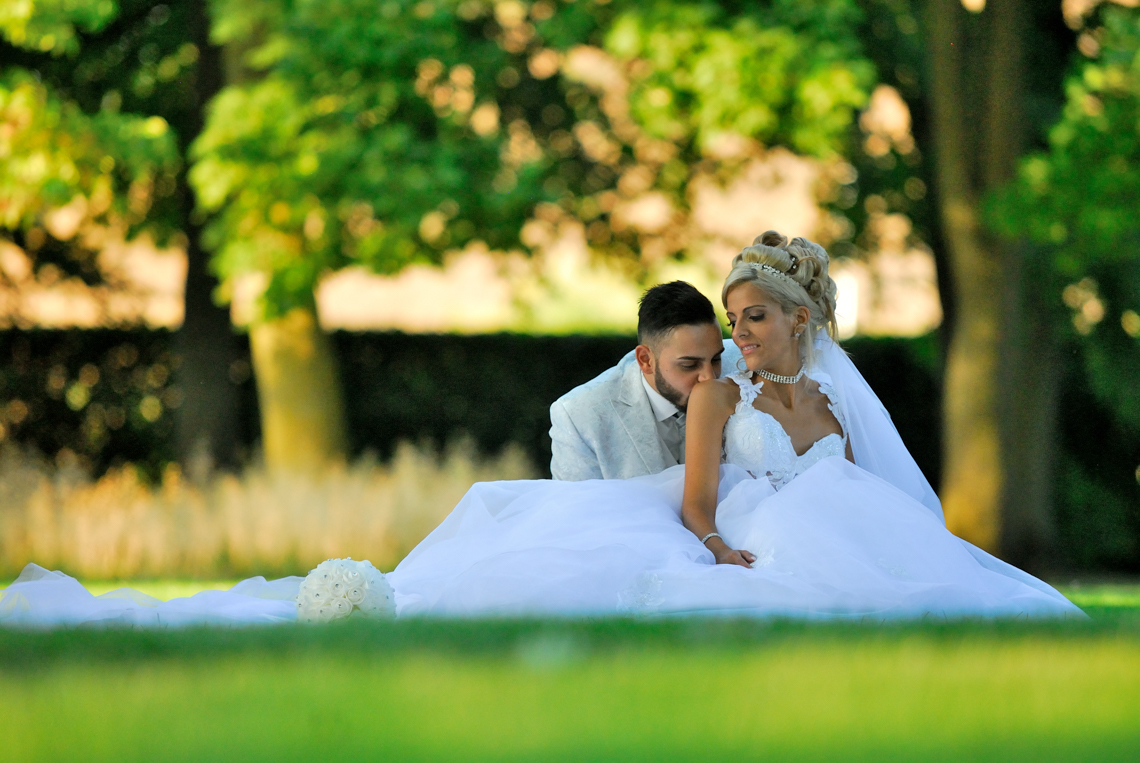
x: 636, y: 417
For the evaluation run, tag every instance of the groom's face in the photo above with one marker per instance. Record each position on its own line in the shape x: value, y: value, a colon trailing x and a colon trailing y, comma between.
x: 681, y: 358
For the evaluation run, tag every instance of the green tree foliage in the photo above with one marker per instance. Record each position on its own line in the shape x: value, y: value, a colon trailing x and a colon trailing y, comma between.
x: 51, y: 153
x: 1079, y: 202
x: 787, y: 73
x: 53, y: 26
x: 101, y: 100
x: 382, y: 135
x: 360, y: 127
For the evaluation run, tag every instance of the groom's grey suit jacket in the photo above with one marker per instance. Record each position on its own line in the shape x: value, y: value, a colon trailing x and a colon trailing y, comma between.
x: 605, y: 428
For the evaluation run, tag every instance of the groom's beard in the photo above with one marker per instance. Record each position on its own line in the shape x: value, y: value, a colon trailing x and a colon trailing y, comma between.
x: 669, y: 392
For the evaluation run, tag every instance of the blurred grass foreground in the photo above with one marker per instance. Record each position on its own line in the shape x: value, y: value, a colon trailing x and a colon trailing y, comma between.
x: 610, y: 689
x: 261, y: 522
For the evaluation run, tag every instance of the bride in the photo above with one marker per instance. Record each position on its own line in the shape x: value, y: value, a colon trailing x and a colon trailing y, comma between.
x: 797, y: 499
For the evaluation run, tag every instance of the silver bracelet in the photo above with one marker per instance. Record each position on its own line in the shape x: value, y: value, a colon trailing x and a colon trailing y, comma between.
x: 711, y: 535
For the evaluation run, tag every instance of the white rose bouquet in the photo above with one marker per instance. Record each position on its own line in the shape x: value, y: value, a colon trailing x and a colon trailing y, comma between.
x: 339, y: 587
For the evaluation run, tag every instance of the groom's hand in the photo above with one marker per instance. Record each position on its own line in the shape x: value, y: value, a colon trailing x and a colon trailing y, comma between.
x: 732, y: 556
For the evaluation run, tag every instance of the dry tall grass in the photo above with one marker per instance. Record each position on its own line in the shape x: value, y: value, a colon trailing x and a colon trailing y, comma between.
x: 259, y: 523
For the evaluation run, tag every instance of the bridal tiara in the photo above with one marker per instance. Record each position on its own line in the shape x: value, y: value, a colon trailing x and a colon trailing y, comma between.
x: 778, y: 273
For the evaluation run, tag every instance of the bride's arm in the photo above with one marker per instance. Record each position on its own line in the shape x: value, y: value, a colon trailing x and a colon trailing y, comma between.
x: 710, y: 405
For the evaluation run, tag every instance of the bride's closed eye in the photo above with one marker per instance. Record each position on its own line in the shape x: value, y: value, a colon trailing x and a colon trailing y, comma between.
x: 755, y: 318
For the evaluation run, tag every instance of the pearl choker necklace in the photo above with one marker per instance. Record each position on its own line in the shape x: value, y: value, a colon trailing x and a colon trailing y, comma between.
x: 781, y: 379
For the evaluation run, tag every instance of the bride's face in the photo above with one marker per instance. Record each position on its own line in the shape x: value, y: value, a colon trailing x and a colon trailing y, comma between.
x: 762, y: 331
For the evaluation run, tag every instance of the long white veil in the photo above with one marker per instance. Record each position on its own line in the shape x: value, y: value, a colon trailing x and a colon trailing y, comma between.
x: 875, y: 442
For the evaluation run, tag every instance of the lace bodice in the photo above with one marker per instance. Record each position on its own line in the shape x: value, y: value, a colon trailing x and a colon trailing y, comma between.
x: 755, y: 441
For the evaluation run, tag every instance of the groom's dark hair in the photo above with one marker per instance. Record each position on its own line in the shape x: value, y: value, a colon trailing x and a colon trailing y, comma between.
x: 669, y: 305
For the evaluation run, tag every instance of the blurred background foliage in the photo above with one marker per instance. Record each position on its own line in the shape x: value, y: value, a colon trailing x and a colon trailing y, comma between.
x: 1076, y: 201
x: 110, y: 167
x: 278, y: 142
x: 386, y: 134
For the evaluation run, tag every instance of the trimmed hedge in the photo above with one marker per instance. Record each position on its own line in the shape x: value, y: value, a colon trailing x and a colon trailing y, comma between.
x: 498, y: 388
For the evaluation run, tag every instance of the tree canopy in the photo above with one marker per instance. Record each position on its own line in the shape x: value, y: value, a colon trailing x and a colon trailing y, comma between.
x: 382, y: 135
x: 92, y: 98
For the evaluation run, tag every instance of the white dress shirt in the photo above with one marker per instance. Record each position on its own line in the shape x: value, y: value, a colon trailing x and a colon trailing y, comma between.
x: 670, y: 423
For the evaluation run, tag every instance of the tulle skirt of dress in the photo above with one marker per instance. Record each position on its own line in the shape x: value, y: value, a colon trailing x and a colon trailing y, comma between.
x: 835, y: 542
x: 40, y: 598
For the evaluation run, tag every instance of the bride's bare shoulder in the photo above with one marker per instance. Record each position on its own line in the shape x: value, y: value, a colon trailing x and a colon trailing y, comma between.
x: 715, y: 393
x: 816, y: 393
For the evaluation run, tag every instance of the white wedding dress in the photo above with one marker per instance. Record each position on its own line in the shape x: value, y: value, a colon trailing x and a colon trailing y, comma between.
x: 832, y: 540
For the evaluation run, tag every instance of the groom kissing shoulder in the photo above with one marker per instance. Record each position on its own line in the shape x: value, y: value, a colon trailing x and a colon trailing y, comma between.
x: 630, y: 420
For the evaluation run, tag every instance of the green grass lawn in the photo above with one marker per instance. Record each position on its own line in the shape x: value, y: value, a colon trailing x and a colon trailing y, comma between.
x: 609, y: 689
x: 1103, y: 595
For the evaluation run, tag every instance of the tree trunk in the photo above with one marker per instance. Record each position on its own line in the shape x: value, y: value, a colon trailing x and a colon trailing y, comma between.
x: 302, y: 409
x: 208, y: 421
x: 972, y: 470
x: 298, y: 387
x: 997, y: 393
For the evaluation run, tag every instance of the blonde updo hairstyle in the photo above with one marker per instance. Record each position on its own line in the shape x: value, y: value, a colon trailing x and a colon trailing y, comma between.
x: 800, y: 280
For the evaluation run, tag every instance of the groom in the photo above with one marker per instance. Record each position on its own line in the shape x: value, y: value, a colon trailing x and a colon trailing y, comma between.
x: 630, y: 420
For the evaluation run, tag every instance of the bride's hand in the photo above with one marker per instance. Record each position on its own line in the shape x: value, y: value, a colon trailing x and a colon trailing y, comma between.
x: 728, y: 555
x: 725, y: 555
